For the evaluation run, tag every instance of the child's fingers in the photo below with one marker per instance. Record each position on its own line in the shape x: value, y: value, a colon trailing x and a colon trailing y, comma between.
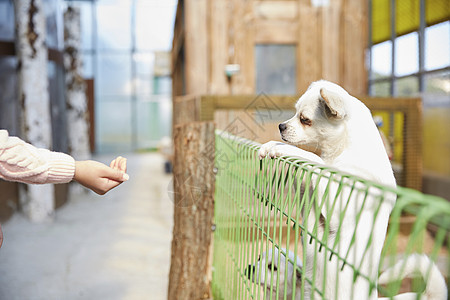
x: 120, y: 163
x: 123, y: 165
x: 116, y: 164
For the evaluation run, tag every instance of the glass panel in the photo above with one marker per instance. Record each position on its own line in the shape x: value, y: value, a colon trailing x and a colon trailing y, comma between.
x: 86, y: 11
x: 162, y: 85
x: 54, y: 21
x: 381, y: 89
x: 437, y: 90
x: 438, y: 83
x: 88, y: 65
x: 408, y: 86
x: 114, y: 124
x: 154, y: 115
x: 143, y: 85
x: 56, y: 90
x: 407, y: 54
x: 437, y: 46
x: 143, y: 63
x: 382, y: 60
x: 275, y: 69
x: 114, y: 24
x: 154, y: 24
x: 436, y: 114
x: 9, y: 110
x: 114, y: 74
x: 6, y: 20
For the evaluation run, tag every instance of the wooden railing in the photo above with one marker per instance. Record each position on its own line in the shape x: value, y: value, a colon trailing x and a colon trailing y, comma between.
x: 194, y: 108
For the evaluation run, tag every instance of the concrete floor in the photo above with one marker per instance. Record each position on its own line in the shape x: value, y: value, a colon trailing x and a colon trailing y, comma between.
x: 115, y: 246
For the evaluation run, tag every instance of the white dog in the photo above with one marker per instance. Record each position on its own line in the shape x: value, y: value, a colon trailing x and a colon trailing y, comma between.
x: 341, y: 131
x: 271, y: 267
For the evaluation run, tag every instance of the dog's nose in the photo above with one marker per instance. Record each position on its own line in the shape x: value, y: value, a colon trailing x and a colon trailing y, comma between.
x: 249, y: 271
x: 282, y: 127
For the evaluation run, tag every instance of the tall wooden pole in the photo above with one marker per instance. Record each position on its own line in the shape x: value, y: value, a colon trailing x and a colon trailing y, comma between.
x: 193, y: 211
x: 77, y: 114
x: 37, y: 201
x: 76, y: 100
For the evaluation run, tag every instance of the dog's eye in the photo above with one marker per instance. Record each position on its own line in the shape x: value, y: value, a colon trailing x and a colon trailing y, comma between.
x: 269, y: 266
x: 305, y: 121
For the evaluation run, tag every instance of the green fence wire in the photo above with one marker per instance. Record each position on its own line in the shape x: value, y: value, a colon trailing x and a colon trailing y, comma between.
x: 269, y: 212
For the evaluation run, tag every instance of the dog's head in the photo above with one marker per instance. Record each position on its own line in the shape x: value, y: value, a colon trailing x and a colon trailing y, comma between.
x: 320, y: 118
x: 271, y: 267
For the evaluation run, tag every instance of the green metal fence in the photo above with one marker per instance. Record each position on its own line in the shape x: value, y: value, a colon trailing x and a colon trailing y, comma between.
x: 269, y: 212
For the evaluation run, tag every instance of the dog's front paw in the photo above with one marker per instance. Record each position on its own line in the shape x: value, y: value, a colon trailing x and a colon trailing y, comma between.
x: 270, y: 149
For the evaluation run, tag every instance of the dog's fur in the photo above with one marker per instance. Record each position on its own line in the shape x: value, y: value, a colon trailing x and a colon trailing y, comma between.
x: 422, y: 266
x: 274, y: 262
x: 271, y: 267
x: 341, y: 131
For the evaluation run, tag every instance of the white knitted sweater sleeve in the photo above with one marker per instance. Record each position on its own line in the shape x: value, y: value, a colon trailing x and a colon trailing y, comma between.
x: 22, y: 162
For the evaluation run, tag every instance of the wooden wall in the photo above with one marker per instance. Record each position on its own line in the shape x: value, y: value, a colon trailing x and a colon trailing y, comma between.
x: 330, y: 41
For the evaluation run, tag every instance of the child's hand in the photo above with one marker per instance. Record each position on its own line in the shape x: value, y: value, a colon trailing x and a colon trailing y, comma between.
x: 99, y: 177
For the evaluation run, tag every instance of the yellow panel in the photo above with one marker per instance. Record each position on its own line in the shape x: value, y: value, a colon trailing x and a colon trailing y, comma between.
x: 407, y: 16
x: 436, y: 140
x: 381, y: 25
x: 437, y: 11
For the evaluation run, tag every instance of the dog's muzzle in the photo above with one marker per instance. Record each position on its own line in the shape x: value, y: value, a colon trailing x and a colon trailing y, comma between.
x: 250, y: 271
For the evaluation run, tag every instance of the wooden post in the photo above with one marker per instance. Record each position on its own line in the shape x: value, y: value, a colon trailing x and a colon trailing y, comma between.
x: 77, y: 114
x: 194, y: 178
x: 37, y: 201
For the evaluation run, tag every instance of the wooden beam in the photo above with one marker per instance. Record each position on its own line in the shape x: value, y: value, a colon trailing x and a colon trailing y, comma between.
x: 194, y: 178
x: 204, y: 107
x: 309, y: 50
x: 279, y: 9
x: 287, y: 102
x: 7, y: 48
x: 196, y: 47
x: 219, y: 29
x: 275, y: 32
x: 185, y: 110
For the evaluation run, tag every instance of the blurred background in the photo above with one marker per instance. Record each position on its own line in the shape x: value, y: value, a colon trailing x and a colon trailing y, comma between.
x: 136, y: 58
x: 125, y: 48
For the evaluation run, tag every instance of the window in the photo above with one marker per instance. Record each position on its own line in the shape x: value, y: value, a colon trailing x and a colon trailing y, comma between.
x: 414, y: 60
x: 382, y: 60
x: 119, y: 42
x: 407, y: 54
x: 437, y: 46
x: 275, y: 69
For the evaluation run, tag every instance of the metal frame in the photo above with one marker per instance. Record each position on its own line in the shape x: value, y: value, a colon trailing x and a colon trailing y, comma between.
x: 392, y: 79
x: 94, y: 52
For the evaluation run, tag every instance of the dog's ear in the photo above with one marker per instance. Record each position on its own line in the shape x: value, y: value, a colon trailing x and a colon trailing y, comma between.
x: 333, y: 103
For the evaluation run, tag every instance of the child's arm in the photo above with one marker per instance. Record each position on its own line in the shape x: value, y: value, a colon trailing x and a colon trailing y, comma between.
x: 22, y: 162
